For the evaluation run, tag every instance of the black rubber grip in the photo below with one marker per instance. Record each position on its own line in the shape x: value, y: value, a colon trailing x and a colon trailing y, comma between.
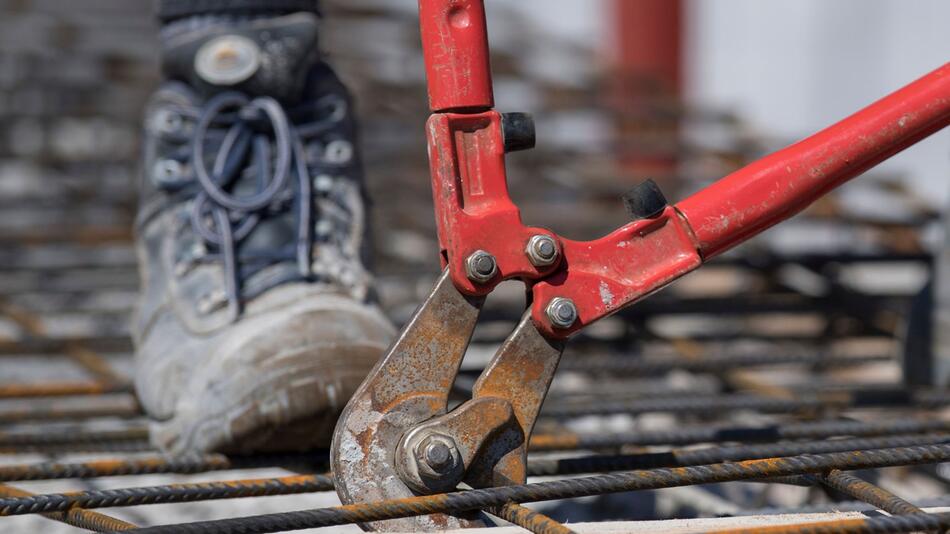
x: 169, y: 10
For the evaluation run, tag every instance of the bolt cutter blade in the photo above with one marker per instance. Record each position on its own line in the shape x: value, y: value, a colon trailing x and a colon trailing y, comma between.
x: 408, y: 386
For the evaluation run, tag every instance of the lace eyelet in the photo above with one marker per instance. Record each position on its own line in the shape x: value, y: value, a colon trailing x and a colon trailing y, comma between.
x: 323, y: 183
x: 338, y: 152
x: 168, y: 173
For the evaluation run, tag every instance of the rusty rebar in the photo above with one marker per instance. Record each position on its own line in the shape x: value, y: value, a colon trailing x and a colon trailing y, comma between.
x: 70, y: 409
x: 687, y: 457
x: 61, y: 389
x: 865, y: 491
x: 718, y: 433
x: 619, y: 365
x: 935, y: 522
x: 172, y: 493
x: 483, y: 499
x: 155, y: 465
x: 129, y: 439
x: 530, y: 520
x: 76, y: 517
x: 716, y: 404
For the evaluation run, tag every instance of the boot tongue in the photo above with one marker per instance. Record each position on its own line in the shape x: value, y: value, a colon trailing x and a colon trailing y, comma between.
x: 265, y: 57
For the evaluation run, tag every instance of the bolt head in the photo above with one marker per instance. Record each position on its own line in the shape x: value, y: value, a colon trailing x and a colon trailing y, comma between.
x: 437, y: 455
x: 481, y: 266
x: 542, y: 250
x: 562, y: 312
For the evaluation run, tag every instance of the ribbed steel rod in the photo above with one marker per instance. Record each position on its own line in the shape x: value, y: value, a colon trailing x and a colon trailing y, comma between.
x: 153, y: 465
x: 936, y: 522
x: 174, y: 493
x: 76, y: 517
x: 715, y: 404
x: 132, y: 446
x: 863, y: 490
x: 618, y: 365
x: 692, y: 434
x: 484, y: 499
x: 529, y: 519
x: 67, y: 409
x: 75, y: 437
x: 61, y: 389
x: 680, y: 458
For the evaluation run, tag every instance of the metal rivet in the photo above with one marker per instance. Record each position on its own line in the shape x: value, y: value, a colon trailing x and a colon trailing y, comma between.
x: 562, y: 312
x: 323, y: 183
x: 481, y: 266
x: 542, y: 250
x: 168, y: 122
x: 167, y: 171
x: 339, y: 152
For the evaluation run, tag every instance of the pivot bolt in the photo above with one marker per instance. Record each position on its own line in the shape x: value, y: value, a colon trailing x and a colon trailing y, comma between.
x: 562, y: 312
x: 542, y: 250
x: 437, y: 456
x: 481, y: 266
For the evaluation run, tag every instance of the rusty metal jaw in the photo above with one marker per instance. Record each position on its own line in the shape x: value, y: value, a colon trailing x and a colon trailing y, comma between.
x: 396, y: 438
x: 408, y: 386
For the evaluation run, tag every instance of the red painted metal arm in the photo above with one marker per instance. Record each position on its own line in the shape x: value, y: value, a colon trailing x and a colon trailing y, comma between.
x: 455, y: 43
x: 784, y: 183
x: 605, y: 275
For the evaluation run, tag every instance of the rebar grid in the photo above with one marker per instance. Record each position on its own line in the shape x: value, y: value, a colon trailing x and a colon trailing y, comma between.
x: 483, y: 499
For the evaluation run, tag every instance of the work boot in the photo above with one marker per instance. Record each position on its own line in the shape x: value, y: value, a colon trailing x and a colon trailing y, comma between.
x: 256, y: 320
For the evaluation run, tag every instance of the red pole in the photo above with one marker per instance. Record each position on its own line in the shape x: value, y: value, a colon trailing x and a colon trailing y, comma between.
x: 649, y: 42
x: 648, y: 78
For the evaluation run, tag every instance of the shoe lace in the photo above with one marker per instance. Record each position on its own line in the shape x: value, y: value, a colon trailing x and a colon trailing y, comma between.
x: 255, y: 135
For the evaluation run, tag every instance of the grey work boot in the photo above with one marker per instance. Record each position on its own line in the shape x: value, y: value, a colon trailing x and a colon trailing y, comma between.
x: 256, y: 320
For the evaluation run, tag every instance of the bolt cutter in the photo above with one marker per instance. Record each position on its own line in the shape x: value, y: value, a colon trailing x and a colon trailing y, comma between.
x: 396, y: 437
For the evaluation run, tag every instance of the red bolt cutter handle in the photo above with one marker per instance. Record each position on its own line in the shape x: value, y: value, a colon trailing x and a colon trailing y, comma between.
x: 455, y: 42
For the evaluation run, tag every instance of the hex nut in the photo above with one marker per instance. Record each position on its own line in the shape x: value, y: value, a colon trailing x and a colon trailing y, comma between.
x: 542, y: 250
x: 481, y: 266
x: 562, y: 312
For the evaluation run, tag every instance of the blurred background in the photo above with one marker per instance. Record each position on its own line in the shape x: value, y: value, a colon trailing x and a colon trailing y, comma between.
x: 680, y: 91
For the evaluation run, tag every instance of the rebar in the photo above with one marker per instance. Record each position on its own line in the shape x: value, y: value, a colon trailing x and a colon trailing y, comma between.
x: 861, y: 489
x: 76, y: 517
x: 482, y: 499
x: 61, y: 389
x: 935, y: 522
x: 617, y: 365
x: 76, y: 437
x: 745, y: 434
x: 68, y: 409
x: 680, y: 458
x: 530, y: 520
x: 154, y: 465
x: 173, y: 493
x: 715, y: 404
